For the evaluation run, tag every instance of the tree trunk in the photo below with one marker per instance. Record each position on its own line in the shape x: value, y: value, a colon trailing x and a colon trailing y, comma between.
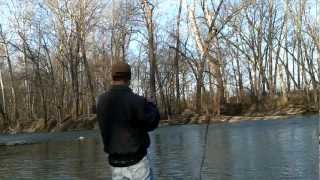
x: 176, y: 60
x: 270, y: 48
x: 148, y: 12
x: 6, y: 120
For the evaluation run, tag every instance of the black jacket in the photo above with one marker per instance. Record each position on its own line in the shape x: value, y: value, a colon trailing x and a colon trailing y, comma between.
x: 124, y: 120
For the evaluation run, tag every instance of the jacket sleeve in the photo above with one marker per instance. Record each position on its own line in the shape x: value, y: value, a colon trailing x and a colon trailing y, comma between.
x: 151, y: 116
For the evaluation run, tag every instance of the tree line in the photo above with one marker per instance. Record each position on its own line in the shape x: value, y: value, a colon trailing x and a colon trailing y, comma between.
x: 55, y: 55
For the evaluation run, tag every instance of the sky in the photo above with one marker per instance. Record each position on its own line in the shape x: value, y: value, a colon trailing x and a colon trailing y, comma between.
x: 165, y: 15
x: 166, y: 11
x: 4, y: 13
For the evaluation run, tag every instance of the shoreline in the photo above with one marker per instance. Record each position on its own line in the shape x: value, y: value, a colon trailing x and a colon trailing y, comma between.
x: 204, y: 119
x: 166, y: 123
x: 88, y: 121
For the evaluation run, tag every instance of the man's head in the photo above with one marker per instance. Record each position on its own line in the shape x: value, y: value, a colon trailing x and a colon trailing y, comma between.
x: 121, y: 73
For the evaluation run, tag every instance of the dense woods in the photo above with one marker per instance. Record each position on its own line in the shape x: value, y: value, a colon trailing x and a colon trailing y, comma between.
x: 206, y: 55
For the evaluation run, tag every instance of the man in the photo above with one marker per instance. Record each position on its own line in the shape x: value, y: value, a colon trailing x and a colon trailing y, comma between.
x: 124, y: 120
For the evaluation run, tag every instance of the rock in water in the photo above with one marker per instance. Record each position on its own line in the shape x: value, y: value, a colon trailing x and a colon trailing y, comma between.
x: 81, y: 138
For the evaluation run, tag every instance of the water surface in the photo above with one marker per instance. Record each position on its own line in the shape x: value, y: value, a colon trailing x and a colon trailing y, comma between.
x: 262, y: 150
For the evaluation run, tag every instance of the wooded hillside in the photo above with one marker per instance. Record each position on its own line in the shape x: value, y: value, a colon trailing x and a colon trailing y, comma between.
x: 210, y: 56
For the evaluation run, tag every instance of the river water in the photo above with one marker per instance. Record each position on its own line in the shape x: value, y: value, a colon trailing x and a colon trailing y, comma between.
x: 253, y: 150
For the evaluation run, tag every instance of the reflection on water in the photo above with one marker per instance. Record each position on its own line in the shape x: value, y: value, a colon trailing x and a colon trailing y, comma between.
x: 60, y: 160
x: 263, y: 150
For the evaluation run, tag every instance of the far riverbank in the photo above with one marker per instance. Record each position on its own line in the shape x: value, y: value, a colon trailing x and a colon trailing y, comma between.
x: 188, y: 116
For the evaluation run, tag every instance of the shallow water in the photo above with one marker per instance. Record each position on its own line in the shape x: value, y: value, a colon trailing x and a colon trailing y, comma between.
x: 264, y: 150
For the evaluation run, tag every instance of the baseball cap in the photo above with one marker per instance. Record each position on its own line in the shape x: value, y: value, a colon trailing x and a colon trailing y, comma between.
x: 121, y: 70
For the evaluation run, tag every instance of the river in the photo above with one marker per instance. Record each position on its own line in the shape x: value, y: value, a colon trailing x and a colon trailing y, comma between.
x: 251, y: 150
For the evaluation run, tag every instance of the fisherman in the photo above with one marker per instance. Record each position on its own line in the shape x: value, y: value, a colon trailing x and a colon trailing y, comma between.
x: 125, y: 119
